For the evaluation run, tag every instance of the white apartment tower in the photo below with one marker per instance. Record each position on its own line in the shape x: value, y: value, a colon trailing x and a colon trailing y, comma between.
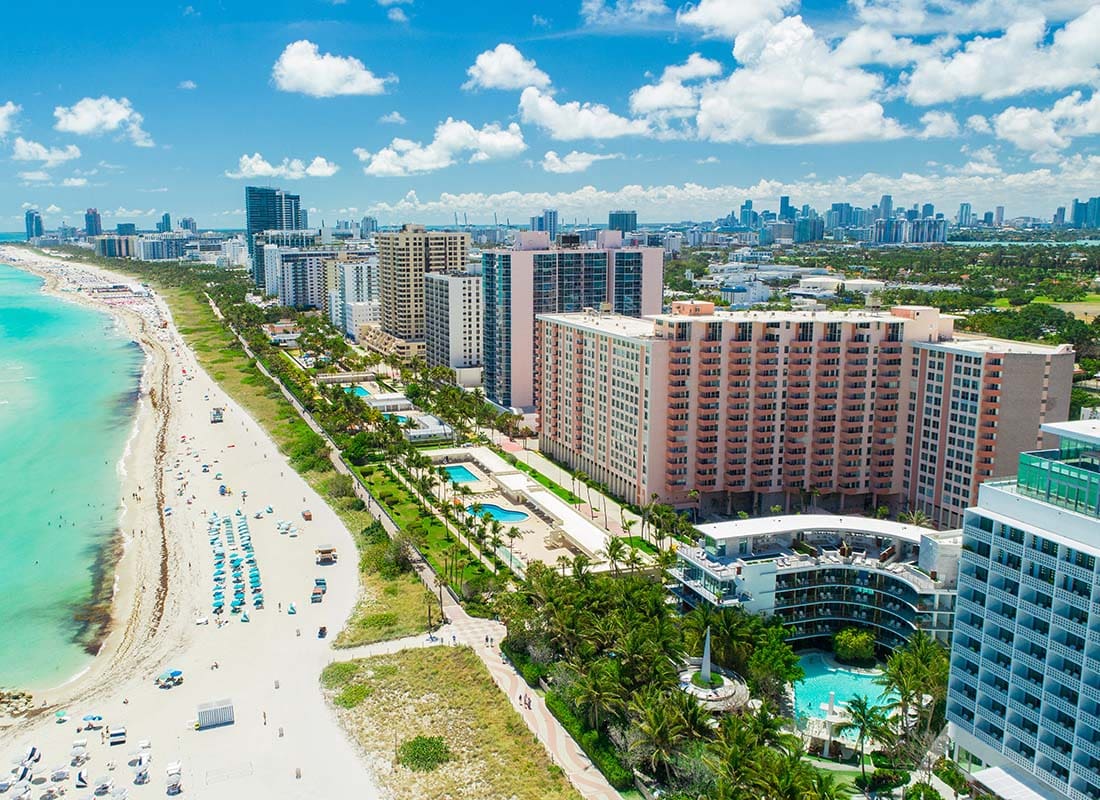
x: 452, y: 320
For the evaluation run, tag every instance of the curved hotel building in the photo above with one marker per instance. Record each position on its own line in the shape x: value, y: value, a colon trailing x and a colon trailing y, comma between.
x: 821, y: 573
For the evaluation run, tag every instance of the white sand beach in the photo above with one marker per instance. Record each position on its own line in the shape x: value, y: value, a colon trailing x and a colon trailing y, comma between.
x: 285, y: 743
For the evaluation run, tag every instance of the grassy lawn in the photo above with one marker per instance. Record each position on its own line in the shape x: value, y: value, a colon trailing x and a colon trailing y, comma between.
x: 442, y: 691
x: 388, y: 608
x: 640, y: 543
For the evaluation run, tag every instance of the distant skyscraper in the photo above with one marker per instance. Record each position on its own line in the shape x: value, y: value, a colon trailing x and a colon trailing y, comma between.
x: 368, y: 226
x: 987, y: 218
x: 886, y: 207
x: 93, y: 225
x: 966, y: 216
x: 786, y: 210
x: 999, y: 216
x: 34, y: 223
x: 303, y: 219
x: 927, y: 210
x: 165, y: 224
x: 625, y: 221
x: 126, y: 229
x: 1060, y: 216
x: 268, y: 209
x: 189, y: 224
x: 746, y: 215
x: 1079, y: 213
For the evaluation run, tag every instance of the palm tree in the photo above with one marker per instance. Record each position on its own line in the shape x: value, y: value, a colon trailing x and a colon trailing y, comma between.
x: 662, y: 733
x: 867, y: 720
x: 563, y: 562
x: 615, y: 551
x: 915, y: 517
x: 634, y: 559
x: 598, y: 692
x: 825, y: 786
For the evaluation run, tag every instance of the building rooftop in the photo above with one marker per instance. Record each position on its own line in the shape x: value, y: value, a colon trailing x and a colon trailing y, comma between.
x: 1085, y: 430
x: 606, y: 323
x: 734, y: 529
x: 987, y: 345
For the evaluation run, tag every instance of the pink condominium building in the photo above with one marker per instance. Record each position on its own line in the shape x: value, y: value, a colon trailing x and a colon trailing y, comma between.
x: 740, y: 410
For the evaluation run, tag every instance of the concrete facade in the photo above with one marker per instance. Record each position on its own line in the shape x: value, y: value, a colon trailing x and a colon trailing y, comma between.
x: 452, y: 320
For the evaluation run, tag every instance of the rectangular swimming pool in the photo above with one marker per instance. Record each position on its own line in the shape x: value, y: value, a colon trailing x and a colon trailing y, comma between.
x: 457, y: 473
x: 358, y: 391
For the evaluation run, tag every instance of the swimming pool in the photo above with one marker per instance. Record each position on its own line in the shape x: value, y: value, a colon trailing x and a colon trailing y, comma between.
x: 822, y: 678
x: 400, y: 419
x: 501, y: 514
x: 459, y: 474
x: 358, y: 391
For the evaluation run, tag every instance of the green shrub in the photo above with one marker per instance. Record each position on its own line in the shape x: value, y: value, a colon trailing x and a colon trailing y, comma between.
x: 339, y: 673
x: 528, y: 669
x: 882, y: 779
x: 890, y: 760
x: 854, y: 646
x: 352, y: 695
x: 595, y: 745
x: 950, y: 773
x: 922, y: 791
x: 423, y: 753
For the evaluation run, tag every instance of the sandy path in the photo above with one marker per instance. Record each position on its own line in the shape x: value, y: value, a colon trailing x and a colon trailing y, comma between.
x: 268, y: 667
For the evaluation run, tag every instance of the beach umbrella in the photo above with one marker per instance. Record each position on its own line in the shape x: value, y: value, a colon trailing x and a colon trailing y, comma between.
x: 92, y: 718
x: 23, y: 774
x: 164, y: 676
x: 218, y: 604
x: 175, y: 673
x: 62, y: 714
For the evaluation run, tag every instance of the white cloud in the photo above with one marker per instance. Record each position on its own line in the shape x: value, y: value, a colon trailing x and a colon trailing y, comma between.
x: 452, y: 139
x: 52, y: 209
x: 27, y: 205
x: 961, y: 16
x: 504, y: 67
x: 707, y: 160
x: 394, y: 2
x: 730, y: 18
x: 978, y: 124
x: 669, y: 96
x: 25, y: 150
x: 938, y: 124
x: 1017, y: 62
x: 867, y: 45
x: 621, y: 12
x: 122, y: 211
x: 75, y: 182
x: 35, y: 176
x: 397, y: 15
x: 256, y: 166
x: 187, y: 85
x: 792, y: 88
x: 573, y: 161
x: 539, y: 21
x: 8, y: 112
x: 393, y: 118
x: 92, y: 116
x: 573, y: 120
x: 1044, y: 133
x: 303, y: 68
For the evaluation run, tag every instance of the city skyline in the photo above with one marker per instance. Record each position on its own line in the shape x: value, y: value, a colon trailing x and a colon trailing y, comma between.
x: 411, y: 113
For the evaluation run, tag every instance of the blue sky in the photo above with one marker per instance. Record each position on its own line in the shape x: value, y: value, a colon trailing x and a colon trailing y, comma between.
x: 413, y: 110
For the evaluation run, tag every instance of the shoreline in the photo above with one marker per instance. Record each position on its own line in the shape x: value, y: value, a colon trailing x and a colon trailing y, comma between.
x: 105, y: 621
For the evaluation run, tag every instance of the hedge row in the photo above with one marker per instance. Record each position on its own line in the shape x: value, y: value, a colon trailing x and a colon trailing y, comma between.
x: 530, y: 671
x: 595, y: 745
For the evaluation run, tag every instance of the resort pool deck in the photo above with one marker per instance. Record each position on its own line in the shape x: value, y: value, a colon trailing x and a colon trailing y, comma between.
x: 400, y: 419
x: 500, y: 514
x: 358, y: 391
x: 824, y: 676
x: 457, y: 473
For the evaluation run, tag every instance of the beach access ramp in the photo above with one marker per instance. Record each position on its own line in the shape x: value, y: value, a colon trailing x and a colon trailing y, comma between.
x: 214, y: 714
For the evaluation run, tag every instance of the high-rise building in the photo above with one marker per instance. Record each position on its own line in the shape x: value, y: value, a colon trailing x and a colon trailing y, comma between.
x: 746, y: 216
x: 786, y: 210
x: 165, y: 224
x: 268, y: 209
x: 93, y: 225
x: 453, y: 320
x: 1092, y: 217
x: 999, y: 394
x: 1079, y: 214
x: 126, y: 229
x: 966, y: 216
x: 546, y: 222
x: 999, y: 216
x: 1023, y: 694
x: 927, y: 211
x: 404, y: 258
x: 624, y: 221
x: 809, y: 229
x: 368, y: 226
x: 533, y: 277
x: 305, y: 277
x: 1060, y: 216
x: 358, y: 300
x: 886, y: 207
x: 33, y: 221
x: 189, y: 224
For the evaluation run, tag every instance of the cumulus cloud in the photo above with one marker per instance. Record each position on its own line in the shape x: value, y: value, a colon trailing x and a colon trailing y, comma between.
x: 397, y: 15
x: 573, y: 120
x: 1018, y: 61
x: 622, y: 12
x: 94, y: 116
x: 504, y: 67
x: 256, y: 166
x: 453, y: 139
x: 792, y: 88
x: 961, y: 16
x: 187, y: 85
x: 730, y: 18
x: 670, y: 95
x: 978, y: 124
x: 72, y: 182
x: 35, y: 176
x: 25, y: 150
x: 938, y: 124
x: 573, y: 161
x: 8, y: 112
x: 393, y: 118
x: 1045, y: 132
x: 303, y: 68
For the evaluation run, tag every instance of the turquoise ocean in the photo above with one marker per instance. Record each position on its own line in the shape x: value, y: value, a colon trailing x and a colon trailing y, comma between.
x: 69, y: 382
